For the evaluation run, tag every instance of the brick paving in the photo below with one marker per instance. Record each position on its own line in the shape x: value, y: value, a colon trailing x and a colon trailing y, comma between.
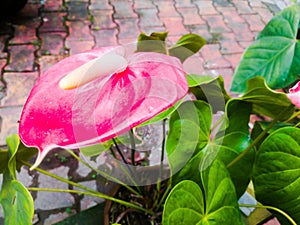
x: 41, y: 35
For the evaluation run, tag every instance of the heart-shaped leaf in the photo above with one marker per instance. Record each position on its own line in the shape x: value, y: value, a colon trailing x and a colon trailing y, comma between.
x: 266, y: 101
x: 274, y: 54
x: 276, y: 175
x: 213, y: 202
x: 156, y: 42
x: 187, y: 46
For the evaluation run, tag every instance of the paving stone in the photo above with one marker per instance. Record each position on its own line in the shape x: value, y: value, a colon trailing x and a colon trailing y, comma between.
x: 79, y: 31
x: 230, y: 47
x: 206, y: 8
x: 76, y: 46
x: 55, y: 218
x: 128, y: 28
x: 184, y: 4
x: 148, y: 18
x: 105, y: 37
x: 213, y: 58
x: 230, y: 15
x: 100, y: 5
x: 243, y: 7
x: 49, y: 200
x: 19, y: 86
x: 52, y: 43
x: 103, y: 19
x: 53, y: 22
x: 166, y: 9
x: 77, y: 10
x: 9, y: 125
x: 202, y: 30
x: 242, y: 32
x: 123, y: 9
x: 142, y: 4
x: 149, y: 30
x: 21, y: 58
x: 45, y: 62
x: 216, y: 24
x: 54, y: 5
x: 190, y: 16
x: 264, y: 13
x: 174, y: 26
x: 3, y: 40
x: 255, y: 22
x: 24, y: 34
x: 194, y: 65
x: 24, y: 177
x: 226, y: 74
x: 234, y: 59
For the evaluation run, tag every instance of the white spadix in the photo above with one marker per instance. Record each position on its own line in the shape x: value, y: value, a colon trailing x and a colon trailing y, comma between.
x: 105, y: 65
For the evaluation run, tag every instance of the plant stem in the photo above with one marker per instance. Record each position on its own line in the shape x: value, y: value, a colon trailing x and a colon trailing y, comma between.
x: 97, y: 194
x: 260, y: 136
x: 272, y: 208
x: 119, y: 151
x: 102, y: 173
x: 133, y: 147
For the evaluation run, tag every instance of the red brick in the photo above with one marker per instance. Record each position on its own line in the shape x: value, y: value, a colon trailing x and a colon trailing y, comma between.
x: 213, y: 58
x: 123, y: 9
x: 53, y: 22
x: 103, y: 19
x: 24, y: 35
x: 184, y: 4
x: 9, y: 125
x: 174, y: 26
x: 257, y: 3
x: 52, y: 43
x: 100, y: 5
x: 230, y: 47
x: 243, y: 7
x: 226, y: 74
x: 216, y: 24
x: 242, y: 32
x: 79, y: 46
x: 3, y: 40
x: 245, y: 44
x: 46, y: 61
x: 190, y: 16
x: 264, y: 13
x: 206, y: 8
x: 77, y: 10
x: 234, y: 59
x: 79, y: 31
x: 21, y: 58
x: 128, y: 28
x: 230, y: 15
x: 255, y: 22
x: 53, y: 5
x: 105, y: 37
x: 194, y: 64
x: 142, y: 4
x: 148, y: 18
x: 166, y: 9
x: 18, y: 87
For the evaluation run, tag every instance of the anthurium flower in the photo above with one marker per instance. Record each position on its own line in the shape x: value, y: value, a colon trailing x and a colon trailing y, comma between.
x: 96, y: 95
x: 294, y: 95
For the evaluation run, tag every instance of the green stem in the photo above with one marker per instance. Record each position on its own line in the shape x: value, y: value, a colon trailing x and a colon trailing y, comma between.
x: 271, y: 208
x: 59, y: 178
x: 98, y: 195
x: 102, y: 173
x: 260, y: 137
x: 133, y: 147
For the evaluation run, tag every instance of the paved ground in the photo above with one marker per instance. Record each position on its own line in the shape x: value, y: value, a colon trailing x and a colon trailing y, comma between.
x: 42, y: 35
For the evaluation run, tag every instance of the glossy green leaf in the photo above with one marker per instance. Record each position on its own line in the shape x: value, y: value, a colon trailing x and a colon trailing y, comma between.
x: 211, y: 91
x: 189, y: 130
x: 186, y: 46
x: 274, y: 54
x: 16, y: 201
x: 156, y: 42
x: 3, y: 160
x: 214, y: 202
x: 266, y: 101
x: 224, y: 149
x: 276, y: 175
x: 94, y: 150
x: 195, y: 80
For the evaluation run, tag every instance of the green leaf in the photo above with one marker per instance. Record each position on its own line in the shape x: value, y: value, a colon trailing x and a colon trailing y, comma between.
x: 94, y: 150
x: 3, y: 160
x: 276, y: 175
x: 211, y: 91
x: 16, y: 201
x: 266, y: 101
x: 156, y: 42
x: 274, y: 54
x: 189, y: 132
x: 214, y: 202
x: 187, y: 46
x: 195, y: 80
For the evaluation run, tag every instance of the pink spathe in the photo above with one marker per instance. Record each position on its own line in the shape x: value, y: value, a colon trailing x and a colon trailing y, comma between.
x: 294, y: 95
x: 102, y: 108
